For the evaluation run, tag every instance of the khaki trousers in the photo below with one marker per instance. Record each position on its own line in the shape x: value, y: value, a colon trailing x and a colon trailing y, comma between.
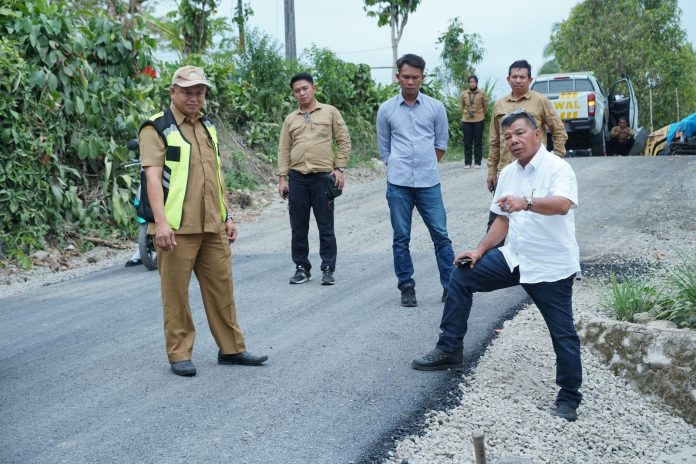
x: 208, y: 256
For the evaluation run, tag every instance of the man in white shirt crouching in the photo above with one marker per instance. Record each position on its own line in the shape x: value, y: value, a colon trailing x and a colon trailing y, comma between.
x: 535, y: 198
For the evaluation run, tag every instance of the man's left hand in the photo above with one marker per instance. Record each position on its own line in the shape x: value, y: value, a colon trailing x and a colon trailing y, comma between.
x: 340, y: 180
x: 231, y: 230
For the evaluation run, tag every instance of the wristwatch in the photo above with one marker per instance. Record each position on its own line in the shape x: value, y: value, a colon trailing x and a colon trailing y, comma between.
x: 229, y: 216
x: 341, y: 169
x: 529, y: 204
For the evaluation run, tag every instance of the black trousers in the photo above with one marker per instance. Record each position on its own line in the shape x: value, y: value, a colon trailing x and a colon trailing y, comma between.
x: 473, y: 135
x: 310, y: 192
x: 614, y: 147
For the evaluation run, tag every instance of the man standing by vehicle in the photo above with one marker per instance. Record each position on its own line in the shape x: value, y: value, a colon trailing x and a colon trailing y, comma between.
x: 534, y: 199
x: 412, y: 137
x: 306, y: 157
x: 186, y: 206
x: 474, y: 103
x: 520, y: 79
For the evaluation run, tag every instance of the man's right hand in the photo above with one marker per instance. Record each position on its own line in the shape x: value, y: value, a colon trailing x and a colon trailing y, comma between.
x: 492, y: 181
x: 164, y: 236
x: 283, y: 189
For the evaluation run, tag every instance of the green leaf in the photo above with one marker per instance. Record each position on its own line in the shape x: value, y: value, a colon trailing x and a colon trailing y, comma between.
x: 52, y: 82
x: 79, y: 105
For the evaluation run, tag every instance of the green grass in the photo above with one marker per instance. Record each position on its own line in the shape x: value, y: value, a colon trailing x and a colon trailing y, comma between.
x: 681, y: 285
x: 628, y: 297
x: 672, y: 299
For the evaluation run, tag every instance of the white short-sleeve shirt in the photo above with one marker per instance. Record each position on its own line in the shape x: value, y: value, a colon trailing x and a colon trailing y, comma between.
x: 544, y: 247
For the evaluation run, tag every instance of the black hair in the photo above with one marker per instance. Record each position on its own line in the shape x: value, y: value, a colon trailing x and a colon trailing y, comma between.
x: 474, y: 77
x: 510, y: 118
x: 411, y: 60
x: 519, y: 64
x: 301, y: 77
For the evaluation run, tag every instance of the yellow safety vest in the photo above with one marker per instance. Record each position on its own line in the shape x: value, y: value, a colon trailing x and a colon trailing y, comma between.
x: 176, y: 168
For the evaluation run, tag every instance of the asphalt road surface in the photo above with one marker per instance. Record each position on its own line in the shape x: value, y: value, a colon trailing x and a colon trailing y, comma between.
x: 84, y: 376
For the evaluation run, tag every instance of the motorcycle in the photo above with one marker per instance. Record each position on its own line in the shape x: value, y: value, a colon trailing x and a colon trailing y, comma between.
x: 146, y: 244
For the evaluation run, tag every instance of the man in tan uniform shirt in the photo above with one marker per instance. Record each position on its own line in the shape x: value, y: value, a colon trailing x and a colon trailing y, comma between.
x: 534, y: 103
x: 201, y: 242
x: 307, y: 160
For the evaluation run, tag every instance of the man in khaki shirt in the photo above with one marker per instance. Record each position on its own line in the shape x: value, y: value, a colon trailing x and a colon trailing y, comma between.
x: 306, y: 158
x: 537, y: 105
x: 191, y: 223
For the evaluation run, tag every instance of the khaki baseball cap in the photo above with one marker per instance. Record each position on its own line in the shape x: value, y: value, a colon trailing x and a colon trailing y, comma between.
x: 188, y: 76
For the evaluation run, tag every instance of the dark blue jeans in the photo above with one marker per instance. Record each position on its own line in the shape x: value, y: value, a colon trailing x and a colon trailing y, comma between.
x: 554, y: 300
x: 428, y: 202
x: 309, y: 191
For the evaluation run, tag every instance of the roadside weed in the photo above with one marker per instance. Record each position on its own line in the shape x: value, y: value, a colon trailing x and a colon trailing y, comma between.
x: 681, y: 284
x: 630, y: 296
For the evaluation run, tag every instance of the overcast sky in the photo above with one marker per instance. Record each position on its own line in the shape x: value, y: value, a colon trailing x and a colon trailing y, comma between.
x: 509, y: 30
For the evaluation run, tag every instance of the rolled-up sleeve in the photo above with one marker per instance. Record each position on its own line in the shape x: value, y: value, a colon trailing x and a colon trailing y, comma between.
x: 383, y: 134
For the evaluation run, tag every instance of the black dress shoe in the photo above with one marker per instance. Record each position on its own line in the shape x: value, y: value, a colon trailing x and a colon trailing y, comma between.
x: 245, y: 358
x: 184, y: 368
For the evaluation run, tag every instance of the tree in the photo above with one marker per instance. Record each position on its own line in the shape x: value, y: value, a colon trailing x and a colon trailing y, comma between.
x: 395, y: 13
x: 241, y: 16
x: 461, y: 52
x: 640, y: 39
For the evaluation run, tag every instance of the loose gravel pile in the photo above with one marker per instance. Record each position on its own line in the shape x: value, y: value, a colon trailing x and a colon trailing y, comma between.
x: 510, y: 393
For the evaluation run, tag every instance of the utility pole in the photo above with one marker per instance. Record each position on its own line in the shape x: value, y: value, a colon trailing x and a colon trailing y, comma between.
x: 290, y: 47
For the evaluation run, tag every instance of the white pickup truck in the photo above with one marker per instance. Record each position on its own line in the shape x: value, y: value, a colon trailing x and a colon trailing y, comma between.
x: 589, y: 113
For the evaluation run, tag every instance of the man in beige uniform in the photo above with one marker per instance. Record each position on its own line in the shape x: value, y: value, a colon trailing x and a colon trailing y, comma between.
x: 190, y: 220
x: 306, y: 167
x: 520, y: 79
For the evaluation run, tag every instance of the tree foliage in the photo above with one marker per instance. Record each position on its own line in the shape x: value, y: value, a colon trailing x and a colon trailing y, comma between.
x: 72, y: 95
x: 392, y: 12
x: 461, y: 52
x: 640, y: 39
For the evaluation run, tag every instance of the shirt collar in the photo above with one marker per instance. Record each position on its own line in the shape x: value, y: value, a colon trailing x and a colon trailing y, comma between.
x: 526, y: 96
x: 179, y: 117
x: 536, y: 159
x: 317, y: 106
x: 400, y: 98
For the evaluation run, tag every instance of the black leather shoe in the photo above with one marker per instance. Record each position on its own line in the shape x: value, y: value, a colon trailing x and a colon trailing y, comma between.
x: 566, y: 412
x: 437, y: 360
x: 244, y: 358
x: 184, y: 368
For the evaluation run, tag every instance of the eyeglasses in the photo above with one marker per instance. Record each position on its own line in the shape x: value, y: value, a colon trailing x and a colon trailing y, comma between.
x: 307, y: 119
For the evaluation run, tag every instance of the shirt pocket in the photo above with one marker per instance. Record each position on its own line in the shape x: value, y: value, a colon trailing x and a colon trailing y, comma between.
x: 322, y: 129
x: 296, y: 132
